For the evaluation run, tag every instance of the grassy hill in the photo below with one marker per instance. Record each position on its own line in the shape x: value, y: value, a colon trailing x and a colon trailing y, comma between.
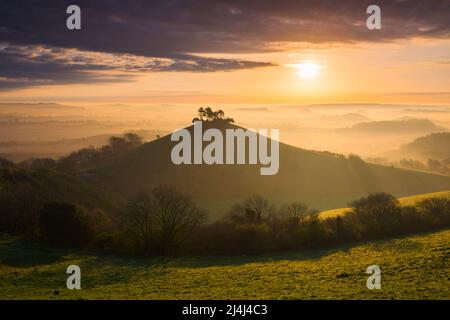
x: 321, y: 180
x: 436, y: 145
x: 412, y: 268
x: 405, y: 201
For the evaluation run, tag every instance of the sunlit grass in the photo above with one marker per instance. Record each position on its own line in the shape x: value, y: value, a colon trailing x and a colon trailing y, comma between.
x: 412, y: 268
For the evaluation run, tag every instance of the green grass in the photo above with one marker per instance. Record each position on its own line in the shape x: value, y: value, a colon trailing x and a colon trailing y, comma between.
x: 414, y: 267
x: 406, y: 201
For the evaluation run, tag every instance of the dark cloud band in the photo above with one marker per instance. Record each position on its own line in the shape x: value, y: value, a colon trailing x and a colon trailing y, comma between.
x: 171, y: 34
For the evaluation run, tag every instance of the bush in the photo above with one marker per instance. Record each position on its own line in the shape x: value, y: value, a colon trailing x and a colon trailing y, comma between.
x: 64, y: 223
x: 436, y: 210
x: 378, y: 214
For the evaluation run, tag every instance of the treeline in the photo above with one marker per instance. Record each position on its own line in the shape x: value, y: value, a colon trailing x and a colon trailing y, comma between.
x: 25, y: 196
x: 165, y: 222
x: 84, y: 158
x: 256, y: 226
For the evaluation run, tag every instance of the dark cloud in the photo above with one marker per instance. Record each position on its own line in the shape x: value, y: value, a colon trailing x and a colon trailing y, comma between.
x: 182, y: 31
x: 173, y: 28
x: 25, y: 66
x: 19, y: 69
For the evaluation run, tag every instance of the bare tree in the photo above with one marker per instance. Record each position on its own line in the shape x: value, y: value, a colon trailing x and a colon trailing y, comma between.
x: 253, y: 210
x: 163, y: 218
x: 141, y: 219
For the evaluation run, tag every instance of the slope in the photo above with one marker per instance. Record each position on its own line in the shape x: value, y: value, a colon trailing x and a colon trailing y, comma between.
x: 321, y: 180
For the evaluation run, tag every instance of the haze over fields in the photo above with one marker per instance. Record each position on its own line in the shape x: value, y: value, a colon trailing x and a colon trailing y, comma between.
x: 369, y: 130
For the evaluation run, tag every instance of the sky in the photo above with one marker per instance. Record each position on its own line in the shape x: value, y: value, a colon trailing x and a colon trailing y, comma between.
x: 225, y: 52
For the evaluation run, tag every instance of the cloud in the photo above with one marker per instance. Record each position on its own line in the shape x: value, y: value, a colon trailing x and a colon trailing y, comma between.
x: 176, y: 35
x: 26, y: 66
x: 172, y: 28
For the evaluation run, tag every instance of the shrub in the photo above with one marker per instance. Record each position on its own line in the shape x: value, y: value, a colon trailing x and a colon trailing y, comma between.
x: 64, y: 223
x: 436, y: 210
x: 379, y: 214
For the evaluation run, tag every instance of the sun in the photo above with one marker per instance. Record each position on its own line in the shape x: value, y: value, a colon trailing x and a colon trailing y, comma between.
x: 308, y: 69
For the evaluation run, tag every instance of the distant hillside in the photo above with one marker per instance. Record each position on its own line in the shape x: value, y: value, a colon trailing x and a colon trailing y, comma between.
x: 320, y: 180
x: 38, y: 186
x: 436, y: 146
x: 406, y: 126
x: 21, y: 150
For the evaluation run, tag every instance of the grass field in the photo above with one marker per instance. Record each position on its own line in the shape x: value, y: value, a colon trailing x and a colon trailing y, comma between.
x: 406, y: 201
x: 415, y: 267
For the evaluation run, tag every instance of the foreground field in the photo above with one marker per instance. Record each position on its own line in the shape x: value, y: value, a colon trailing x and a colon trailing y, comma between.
x: 412, y: 268
x: 406, y: 201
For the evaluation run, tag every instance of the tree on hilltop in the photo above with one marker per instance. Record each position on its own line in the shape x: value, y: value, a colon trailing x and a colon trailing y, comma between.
x: 208, y: 114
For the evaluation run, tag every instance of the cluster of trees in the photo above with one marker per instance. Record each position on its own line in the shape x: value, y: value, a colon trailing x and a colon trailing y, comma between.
x: 166, y: 222
x: 54, y: 206
x: 208, y: 114
x: 87, y: 157
x: 80, y: 159
x: 256, y: 226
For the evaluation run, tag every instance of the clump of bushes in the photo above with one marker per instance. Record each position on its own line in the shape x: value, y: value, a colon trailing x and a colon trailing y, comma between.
x: 65, y: 223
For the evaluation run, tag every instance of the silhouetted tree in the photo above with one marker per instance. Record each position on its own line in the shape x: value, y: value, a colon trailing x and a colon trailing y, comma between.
x: 133, y: 139
x: 163, y: 218
x: 118, y: 144
x: 297, y: 211
x: 208, y: 114
x: 253, y: 210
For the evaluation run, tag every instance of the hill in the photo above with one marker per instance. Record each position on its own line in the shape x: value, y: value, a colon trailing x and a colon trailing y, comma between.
x: 21, y: 150
x: 30, y: 188
x: 404, y: 126
x: 412, y: 268
x: 321, y: 180
x: 435, y: 145
x: 405, y: 201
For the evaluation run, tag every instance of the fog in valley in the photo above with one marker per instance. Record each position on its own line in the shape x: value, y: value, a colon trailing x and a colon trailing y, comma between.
x: 375, y: 132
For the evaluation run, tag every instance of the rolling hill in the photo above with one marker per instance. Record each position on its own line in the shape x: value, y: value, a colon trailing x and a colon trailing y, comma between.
x: 22, y: 150
x: 435, y: 145
x: 321, y: 180
x: 403, y: 126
